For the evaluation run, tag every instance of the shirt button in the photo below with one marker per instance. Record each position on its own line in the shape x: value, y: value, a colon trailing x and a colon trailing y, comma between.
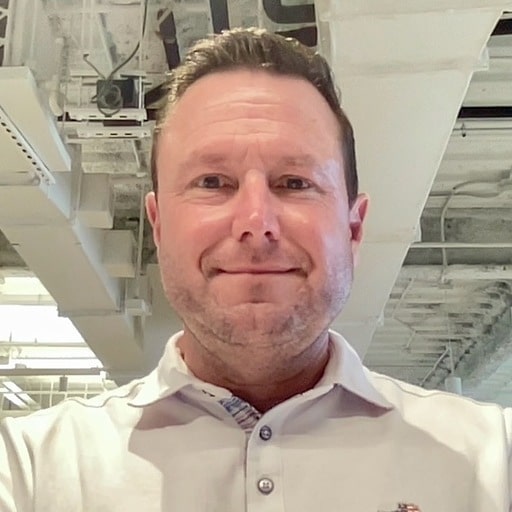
x: 265, y: 433
x: 265, y: 485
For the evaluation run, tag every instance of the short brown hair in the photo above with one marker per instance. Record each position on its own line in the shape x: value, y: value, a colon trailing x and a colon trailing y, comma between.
x: 255, y: 48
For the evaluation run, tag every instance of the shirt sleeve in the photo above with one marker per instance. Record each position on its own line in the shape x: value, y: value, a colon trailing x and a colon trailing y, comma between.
x: 15, y: 470
x: 508, y: 427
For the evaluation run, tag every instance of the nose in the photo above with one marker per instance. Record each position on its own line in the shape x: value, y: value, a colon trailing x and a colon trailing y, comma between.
x: 255, y: 219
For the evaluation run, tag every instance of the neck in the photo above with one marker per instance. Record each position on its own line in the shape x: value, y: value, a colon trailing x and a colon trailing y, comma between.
x: 264, y: 378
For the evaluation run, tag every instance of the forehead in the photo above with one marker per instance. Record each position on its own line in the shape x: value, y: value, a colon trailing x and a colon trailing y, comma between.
x: 252, y: 104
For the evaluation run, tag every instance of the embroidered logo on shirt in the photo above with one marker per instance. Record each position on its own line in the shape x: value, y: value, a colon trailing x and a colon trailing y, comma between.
x: 404, y: 507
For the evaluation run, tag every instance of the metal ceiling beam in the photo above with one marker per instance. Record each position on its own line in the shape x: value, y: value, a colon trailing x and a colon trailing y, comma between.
x: 461, y: 245
x: 480, y: 366
x: 438, y: 273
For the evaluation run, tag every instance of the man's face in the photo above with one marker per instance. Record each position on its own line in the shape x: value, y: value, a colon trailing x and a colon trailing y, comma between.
x: 254, y: 232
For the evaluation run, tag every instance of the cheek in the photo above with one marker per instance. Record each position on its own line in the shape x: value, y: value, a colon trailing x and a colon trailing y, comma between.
x: 324, y: 248
x: 190, y: 230
x: 328, y: 245
x: 321, y: 231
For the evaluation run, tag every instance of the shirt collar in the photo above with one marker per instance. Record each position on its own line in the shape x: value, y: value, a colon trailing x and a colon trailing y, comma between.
x: 170, y: 376
x: 344, y: 369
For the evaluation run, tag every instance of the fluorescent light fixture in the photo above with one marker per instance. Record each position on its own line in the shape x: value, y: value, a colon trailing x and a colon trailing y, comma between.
x: 22, y: 285
x: 12, y: 386
x: 31, y: 335
x: 18, y: 393
x: 16, y: 400
x: 36, y: 324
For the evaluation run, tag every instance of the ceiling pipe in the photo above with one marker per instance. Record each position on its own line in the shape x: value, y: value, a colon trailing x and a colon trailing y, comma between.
x: 434, y: 368
x: 461, y: 245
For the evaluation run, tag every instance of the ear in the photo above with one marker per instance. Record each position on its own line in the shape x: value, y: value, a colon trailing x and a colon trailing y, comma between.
x: 153, y: 216
x: 357, y: 216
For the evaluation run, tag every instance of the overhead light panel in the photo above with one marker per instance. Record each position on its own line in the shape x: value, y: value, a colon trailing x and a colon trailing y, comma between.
x: 16, y: 395
x: 16, y: 400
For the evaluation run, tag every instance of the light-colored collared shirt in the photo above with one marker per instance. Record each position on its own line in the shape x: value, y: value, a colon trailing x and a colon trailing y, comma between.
x: 357, y: 442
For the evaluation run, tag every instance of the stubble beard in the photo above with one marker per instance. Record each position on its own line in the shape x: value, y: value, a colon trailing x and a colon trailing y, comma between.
x: 250, y: 328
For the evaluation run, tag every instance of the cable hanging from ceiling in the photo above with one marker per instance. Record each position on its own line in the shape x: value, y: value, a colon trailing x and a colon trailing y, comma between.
x: 109, y: 98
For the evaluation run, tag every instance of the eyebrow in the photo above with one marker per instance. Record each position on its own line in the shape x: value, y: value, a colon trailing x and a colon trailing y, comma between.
x: 304, y: 160
x: 206, y: 159
x: 219, y: 159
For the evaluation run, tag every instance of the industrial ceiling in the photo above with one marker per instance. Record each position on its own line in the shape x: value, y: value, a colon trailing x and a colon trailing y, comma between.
x: 428, y: 88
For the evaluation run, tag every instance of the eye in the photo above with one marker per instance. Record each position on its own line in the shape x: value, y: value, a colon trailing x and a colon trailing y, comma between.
x: 212, y: 181
x: 294, y: 183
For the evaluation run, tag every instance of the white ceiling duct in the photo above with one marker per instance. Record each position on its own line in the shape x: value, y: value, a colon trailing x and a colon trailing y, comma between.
x: 403, y: 69
x: 37, y: 214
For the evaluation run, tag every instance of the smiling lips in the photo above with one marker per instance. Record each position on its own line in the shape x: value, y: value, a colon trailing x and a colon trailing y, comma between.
x: 258, y: 271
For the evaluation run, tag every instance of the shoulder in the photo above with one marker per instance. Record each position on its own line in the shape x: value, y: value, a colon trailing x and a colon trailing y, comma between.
x: 400, y: 393
x: 436, y: 406
x: 74, y: 415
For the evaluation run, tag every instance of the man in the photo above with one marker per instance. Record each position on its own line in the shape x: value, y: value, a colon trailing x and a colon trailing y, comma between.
x: 256, y: 405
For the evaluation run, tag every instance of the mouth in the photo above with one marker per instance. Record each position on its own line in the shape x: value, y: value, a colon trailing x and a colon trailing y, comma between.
x: 257, y: 271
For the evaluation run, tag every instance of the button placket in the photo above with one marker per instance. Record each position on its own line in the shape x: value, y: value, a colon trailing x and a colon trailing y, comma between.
x: 263, y: 467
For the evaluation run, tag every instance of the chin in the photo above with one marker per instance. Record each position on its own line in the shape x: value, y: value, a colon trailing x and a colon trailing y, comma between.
x: 265, y: 321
